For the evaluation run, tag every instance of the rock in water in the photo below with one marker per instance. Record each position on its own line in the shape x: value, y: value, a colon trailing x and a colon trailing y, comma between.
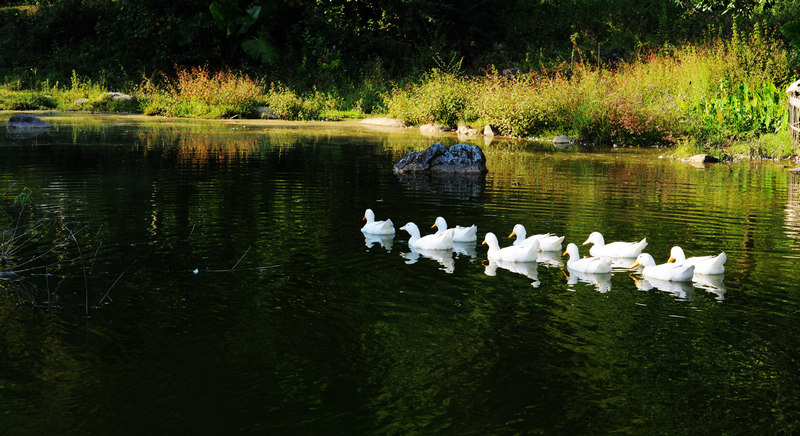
x: 24, y: 126
x: 703, y: 158
x: 25, y: 121
x: 438, y: 159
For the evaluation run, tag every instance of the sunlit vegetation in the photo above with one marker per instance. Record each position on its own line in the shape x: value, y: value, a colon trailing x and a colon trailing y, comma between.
x: 710, y: 73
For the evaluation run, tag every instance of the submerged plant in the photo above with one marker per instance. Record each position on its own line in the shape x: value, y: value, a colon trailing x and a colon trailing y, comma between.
x: 35, y: 248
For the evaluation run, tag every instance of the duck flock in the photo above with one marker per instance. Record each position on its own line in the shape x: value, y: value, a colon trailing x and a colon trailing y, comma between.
x: 525, y: 251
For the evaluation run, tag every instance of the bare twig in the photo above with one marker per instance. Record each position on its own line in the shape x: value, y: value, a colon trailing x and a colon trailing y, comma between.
x: 240, y: 259
x: 85, y: 280
x: 91, y: 267
x: 114, y: 284
x: 258, y: 268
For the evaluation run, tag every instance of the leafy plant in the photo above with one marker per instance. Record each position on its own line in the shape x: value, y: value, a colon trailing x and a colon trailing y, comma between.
x: 740, y: 110
x: 238, y: 23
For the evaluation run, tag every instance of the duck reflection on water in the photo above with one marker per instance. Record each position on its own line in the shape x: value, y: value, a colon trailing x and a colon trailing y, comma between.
x: 683, y: 291
x: 711, y: 283
x: 527, y: 269
x: 443, y: 257
x: 385, y: 241
x: 601, y: 281
x: 468, y: 249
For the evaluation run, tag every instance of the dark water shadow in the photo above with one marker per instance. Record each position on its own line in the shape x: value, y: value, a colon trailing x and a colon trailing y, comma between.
x: 461, y: 186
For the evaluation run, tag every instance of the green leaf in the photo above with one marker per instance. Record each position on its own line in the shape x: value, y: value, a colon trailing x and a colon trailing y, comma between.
x: 260, y: 49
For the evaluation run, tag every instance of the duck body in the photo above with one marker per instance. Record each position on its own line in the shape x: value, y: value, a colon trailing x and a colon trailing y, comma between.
x: 708, y: 265
x: 513, y: 253
x: 373, y: 227
x: 614, y: 249
x: 441, y: 241
x: 594, y: 265
x: 460, y: 233
x: 671, y: 272
x: 547, y: 241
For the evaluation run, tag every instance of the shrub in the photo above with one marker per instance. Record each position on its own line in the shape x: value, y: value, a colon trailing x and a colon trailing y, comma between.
x: 197, y: 92
x: 287, y: 105
x: 437, y: 98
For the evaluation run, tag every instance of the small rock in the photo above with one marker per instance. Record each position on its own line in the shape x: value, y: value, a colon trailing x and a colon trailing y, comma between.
x: 561, y: 140
x: 489, y: 130
x: 116, y: 96
x: 466, y: 130
x: 383, y: 121
x: 264, y: 112
x: 81, y: 101
x: 432, y: 129
x: 703, y: 158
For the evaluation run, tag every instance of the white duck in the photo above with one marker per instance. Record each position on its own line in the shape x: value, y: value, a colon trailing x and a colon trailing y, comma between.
x: 595, y: 265
x: 702, y: 264
x: 614, y: 249
x: 671, y: 272
x: 376, y: 227
x: 460, y: 234
x: 513, y: 253
x: 547, y: 241
x: 441, y: 241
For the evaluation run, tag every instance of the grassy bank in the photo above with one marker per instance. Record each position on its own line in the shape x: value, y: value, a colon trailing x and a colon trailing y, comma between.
x: 725, y: 98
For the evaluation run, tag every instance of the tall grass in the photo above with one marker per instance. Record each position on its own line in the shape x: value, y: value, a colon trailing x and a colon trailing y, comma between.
x: 197, y: 92
x: 720, y: 90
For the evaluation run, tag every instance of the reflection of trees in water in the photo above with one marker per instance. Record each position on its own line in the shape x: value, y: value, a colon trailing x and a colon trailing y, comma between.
x: 792, y: 218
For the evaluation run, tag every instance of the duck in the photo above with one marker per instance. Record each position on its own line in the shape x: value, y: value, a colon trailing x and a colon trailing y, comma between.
x: 614, y: 249
x: 595, y: 265
x: 709, y: 265
x: 460, y: 234
x: 547, y: 241
x: 671, y: 272
x: 373, y: 227
x: 441, y: 241
x: 513, y: 253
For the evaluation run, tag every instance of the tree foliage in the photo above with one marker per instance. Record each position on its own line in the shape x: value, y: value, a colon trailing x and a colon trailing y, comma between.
x: 313, y: 41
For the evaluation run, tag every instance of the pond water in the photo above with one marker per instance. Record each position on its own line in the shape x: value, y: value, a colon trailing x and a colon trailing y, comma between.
x: 185, y: 277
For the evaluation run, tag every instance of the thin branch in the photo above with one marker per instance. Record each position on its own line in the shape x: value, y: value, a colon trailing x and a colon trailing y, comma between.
x: 258, y: 268
x: 91, y: 267
x: 240, y: 259
x: 114, y: 284
x: 85, y: 280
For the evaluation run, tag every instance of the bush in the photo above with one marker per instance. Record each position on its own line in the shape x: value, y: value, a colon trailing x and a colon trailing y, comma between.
x: 438, y: 98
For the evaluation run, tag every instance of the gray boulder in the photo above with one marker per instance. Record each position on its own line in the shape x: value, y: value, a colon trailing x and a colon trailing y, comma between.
x: 24, y: 126
x: 439, y: 159
x: 25, y: 121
